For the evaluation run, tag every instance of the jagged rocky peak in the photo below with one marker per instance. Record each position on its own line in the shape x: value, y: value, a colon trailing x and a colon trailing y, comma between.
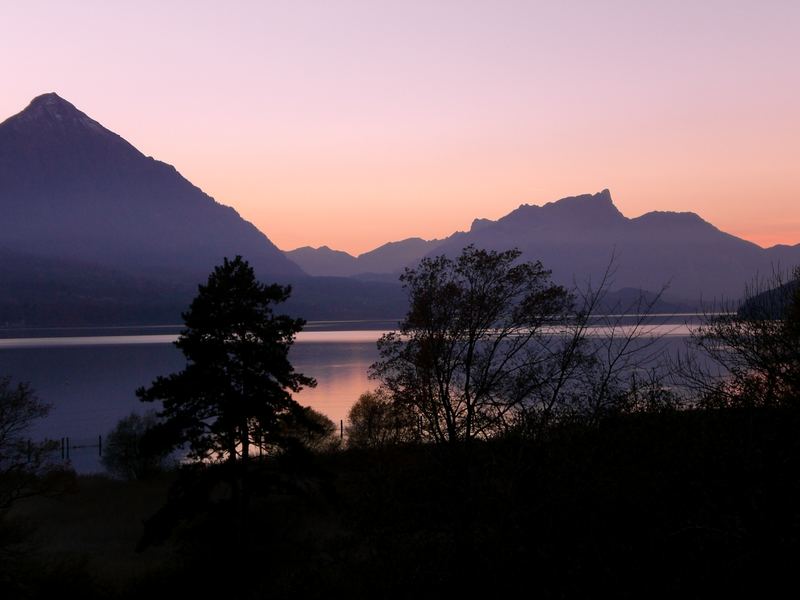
x: 478, y: 224
x: 600, y: 202
x: 597, y: 209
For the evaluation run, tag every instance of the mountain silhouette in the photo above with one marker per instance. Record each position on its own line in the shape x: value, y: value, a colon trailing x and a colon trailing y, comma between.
x: 93, y: 232
x: 390, y: 258
x: 72, y: 189
x: 577, y: 236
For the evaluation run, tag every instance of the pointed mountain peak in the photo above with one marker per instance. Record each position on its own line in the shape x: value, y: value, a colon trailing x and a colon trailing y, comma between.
x: 51, y: 99
x: 51, y: 106
x: 51, y: 112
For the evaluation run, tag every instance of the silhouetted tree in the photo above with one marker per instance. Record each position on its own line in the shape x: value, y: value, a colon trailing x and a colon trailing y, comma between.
x: 749, y: 355
x: 23, y: 463
x: 472, y: 348
x: 128, y: 452
x: 490, y: 345
x: 311, y: 429
x: 618, y: 364
x: 374, y: 421
x: 236, y: 388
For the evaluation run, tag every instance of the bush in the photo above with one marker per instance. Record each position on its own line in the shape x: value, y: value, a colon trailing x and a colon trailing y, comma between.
x: 129, y: 453
x: 374, y: 420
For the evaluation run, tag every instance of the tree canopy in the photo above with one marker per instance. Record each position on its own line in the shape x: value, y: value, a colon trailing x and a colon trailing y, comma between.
x: 237, y: 386
x: 472, y: 348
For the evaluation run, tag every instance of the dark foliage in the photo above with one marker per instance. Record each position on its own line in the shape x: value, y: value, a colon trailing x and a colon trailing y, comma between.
x: 689, y: 504
x: 130, y: 452
x: 237, y: 384
x: 374, y: 421
x: 23, y: 463
x: 472, y: 348
x: 753, y: 353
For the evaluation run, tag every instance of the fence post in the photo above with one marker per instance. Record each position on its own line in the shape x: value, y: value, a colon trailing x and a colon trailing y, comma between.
x: 341, y: 429
x: 100, y: 446
x: 62, y: 448
x: 67, y: 445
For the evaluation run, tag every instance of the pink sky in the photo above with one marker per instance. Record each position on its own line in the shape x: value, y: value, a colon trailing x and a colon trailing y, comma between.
x: 355, y: 123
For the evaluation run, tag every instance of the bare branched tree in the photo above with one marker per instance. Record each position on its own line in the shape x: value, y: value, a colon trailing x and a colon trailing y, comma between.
x: 491, y: 346
x: 465, y: 359
x: 748, y: 353
x: 24, y: 464
x: 608, y: 357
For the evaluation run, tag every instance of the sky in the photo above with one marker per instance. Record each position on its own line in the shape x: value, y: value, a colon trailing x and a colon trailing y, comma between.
x: 353, y: 123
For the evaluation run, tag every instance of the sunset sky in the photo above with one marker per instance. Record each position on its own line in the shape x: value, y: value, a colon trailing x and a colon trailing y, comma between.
x: 355, y: 123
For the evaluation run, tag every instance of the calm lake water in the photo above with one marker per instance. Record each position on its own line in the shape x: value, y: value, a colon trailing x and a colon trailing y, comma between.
x: 89, y: 376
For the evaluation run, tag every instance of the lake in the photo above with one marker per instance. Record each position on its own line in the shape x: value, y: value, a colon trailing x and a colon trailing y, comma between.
x: 89, y: 376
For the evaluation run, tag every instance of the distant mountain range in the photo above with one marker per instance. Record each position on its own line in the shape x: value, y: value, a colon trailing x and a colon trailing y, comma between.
x: 576, y: 238
x: 94, y: 232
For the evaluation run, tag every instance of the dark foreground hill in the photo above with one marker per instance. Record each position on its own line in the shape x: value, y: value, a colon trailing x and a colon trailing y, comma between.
x: 675, y: 505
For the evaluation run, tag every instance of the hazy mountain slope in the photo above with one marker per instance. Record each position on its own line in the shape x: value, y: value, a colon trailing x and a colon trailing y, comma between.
x: 323, y: 261
x: 395, y: 256
x: 785, y: 258
x: 70, y: 188
x: 40, y: 291
x: 392, y: 258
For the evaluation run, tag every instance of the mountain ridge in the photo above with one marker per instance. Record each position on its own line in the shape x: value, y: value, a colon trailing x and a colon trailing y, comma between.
x: 577, y: 236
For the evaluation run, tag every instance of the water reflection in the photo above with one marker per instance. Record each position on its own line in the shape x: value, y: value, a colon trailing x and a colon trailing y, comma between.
x: 91, y: 381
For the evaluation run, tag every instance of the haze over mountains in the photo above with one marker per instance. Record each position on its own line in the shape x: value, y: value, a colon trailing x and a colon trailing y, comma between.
x: 95, y: 232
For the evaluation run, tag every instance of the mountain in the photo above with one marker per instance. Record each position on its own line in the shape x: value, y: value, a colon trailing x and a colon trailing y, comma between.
x: 323, y: 261
x: 53, y: 292
x: 395, y: 256
x: 93, y: 232
x: 576, y: 237
x: 784, y: 257
x: 389, y: 258
x: 72, y: 189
